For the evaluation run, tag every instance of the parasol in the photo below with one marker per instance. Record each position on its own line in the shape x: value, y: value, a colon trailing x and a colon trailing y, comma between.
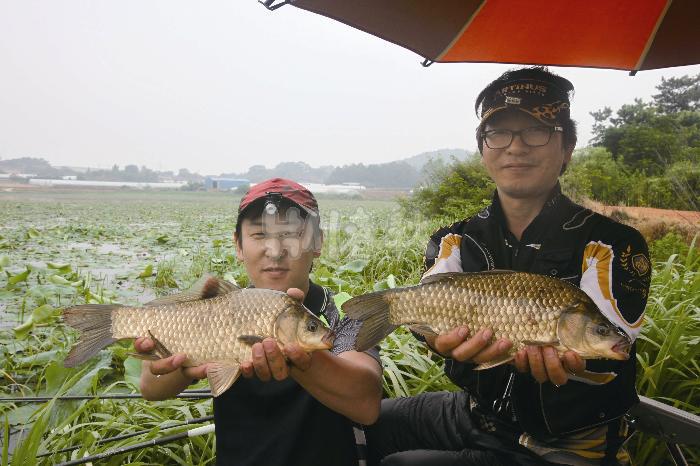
x: 620, y: 34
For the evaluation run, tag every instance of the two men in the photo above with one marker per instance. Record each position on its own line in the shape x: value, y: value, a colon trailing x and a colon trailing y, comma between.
x: 542, y: 409
x: 280, y: 414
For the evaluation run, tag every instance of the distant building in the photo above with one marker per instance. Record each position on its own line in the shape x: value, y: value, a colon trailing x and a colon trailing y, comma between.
x: 224, y: 184
x: 24, y: 176
x: 69, y: 177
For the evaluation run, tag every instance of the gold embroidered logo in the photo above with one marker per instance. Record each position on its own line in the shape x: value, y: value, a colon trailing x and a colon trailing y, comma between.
x: 549, y: 111
x: 527, y: 88
x: 641, y: 264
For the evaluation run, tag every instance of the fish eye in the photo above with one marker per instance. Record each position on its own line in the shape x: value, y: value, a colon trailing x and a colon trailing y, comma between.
x: 602, y: 330
x: 311, y: 326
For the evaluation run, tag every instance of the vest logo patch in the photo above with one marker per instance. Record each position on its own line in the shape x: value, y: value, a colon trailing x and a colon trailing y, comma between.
x: 641, y: 264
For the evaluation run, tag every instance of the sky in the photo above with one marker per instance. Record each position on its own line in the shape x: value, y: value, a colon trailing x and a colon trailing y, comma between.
x: 221, y: 85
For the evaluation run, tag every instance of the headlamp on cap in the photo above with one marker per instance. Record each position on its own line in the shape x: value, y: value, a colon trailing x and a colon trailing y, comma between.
x: 272, y: 203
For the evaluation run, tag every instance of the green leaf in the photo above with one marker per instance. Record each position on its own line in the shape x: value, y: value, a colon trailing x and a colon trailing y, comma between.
x: 147, y: 272
x: 58, y: 280
x: 356, y: 266
x: 20, y: 277
x: 132, y: 371
x: 55, y: 376
x: 21, y: 331
x: 42, y: 313
x: 162, y: 239
x: 25, y: 452
x: 4, y: 262
x: 33, y: 233
x: 61, y: 268
x: 38, y: 359
x: 340, y: 299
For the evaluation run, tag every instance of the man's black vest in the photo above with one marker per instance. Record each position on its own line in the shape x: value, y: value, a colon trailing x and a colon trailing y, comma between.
x: 554, y: 247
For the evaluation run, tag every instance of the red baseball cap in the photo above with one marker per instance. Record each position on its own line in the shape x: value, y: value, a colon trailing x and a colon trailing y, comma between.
x: 282, y: 187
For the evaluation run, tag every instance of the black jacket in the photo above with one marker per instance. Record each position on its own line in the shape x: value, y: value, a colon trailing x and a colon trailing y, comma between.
x: 563, y: 241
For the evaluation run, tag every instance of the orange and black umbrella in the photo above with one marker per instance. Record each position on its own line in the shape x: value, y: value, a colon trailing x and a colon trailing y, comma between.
x: 621, y: 34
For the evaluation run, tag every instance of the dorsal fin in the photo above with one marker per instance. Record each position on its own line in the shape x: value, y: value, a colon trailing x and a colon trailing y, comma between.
x: 452, y: 275
x: 206, y: 287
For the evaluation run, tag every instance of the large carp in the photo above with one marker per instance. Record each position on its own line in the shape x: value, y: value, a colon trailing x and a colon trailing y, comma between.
x: 526, y: 308
x: 215, y: 322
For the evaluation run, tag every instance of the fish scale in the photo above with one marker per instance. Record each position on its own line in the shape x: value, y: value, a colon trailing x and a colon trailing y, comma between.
x: 525, y: 308
x: 205, y: 330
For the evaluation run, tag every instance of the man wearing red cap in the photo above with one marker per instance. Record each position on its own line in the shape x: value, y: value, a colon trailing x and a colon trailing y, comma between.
x: 301, y: 413
x: 542, y: 408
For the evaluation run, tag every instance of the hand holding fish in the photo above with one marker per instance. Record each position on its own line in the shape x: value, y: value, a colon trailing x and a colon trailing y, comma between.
x: 544, y: 364
x: 269, y: 361
x: 461, y: 346
x: 170, y: 364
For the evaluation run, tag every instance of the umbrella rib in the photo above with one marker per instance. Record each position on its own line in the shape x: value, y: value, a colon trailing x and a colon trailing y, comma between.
x: 461, y: 32
x: 652, y: 36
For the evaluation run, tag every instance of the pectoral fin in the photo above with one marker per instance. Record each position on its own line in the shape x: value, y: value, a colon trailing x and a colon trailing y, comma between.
x: 423, y: 329
x: 144, y: 356
x: 221, y: 376
x: 495, y: 362
x: 250, y: 339
x: 206, y: 287
x: 158, y: 352
x: 594, y: 378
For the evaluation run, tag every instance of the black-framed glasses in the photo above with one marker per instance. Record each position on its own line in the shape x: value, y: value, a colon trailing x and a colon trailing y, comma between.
x: 534, y: 136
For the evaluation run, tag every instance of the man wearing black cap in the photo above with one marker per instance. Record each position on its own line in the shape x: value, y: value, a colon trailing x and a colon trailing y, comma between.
x: 543, y: 408
x: 301, y: 413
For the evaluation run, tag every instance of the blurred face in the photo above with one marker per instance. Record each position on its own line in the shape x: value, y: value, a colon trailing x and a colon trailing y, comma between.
x: 521, y: 171
x: 276, y: 251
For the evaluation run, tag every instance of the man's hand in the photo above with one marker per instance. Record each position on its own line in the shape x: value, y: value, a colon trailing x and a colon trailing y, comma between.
x: 542, y: 362
x: 171, y: 363
x: 459, y: 345
x: 269, y: 361
x: 545, y: 365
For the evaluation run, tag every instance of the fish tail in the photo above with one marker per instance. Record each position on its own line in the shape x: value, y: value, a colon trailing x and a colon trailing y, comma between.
x: 95, y: 324
x: 373, y: 310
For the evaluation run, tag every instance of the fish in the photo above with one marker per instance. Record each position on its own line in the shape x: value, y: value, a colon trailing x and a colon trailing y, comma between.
x: 526, y: 308
x: 214, y: 322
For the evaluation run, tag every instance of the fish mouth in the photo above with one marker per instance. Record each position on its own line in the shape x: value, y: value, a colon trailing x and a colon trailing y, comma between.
x: 622, y: 349
x: 328, y: 339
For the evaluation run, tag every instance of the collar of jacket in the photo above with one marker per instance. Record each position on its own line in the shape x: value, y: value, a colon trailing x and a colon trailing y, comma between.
x: 548, y: 216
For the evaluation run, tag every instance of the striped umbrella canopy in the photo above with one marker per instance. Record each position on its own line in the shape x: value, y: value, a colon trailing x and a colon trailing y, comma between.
x: 620, y: 34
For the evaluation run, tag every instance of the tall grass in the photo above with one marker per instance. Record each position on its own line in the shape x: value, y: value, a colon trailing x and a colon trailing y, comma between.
x: 668, y: 350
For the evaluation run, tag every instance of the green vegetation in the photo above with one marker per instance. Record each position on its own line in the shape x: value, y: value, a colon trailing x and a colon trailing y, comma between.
x: 456, y: 190
x: 59, y: 248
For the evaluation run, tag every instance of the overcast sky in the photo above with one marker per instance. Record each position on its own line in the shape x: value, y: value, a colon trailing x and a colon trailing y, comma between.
x: 221, y: 85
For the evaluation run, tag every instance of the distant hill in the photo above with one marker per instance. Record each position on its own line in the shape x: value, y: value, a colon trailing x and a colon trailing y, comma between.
x: 299, y: 171
x: 444, y: 155
x: 400, y: 174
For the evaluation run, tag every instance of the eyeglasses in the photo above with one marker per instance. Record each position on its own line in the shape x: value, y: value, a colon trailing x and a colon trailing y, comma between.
x: 535, y: 136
